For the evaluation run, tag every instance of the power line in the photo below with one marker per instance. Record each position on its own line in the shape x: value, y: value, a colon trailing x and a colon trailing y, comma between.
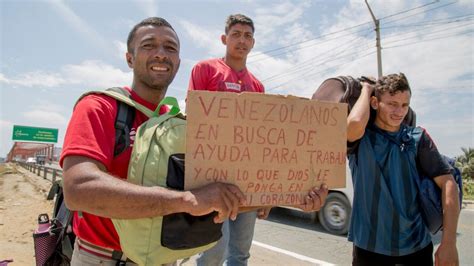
x: 310, y: 62
x: 428, y: 33
x: 321, y: 71
x: 435, y: 22
x: 302, y: 66
x: 311, y: 67
x: 343, y: 30
x: 310, y: 71
x: 303, y: 47
x: 305, y: 41
x: 417, y: 13
x: 431, y: 39
x: 305, y: 68
x: 408, y: 10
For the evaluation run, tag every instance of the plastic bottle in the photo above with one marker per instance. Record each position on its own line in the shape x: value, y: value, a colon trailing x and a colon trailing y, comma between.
x: 43, y: 224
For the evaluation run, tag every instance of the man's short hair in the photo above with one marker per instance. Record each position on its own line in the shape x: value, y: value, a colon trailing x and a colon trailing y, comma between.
x: 151, y: 21
x: 238, y: 19
x: 392, y: 84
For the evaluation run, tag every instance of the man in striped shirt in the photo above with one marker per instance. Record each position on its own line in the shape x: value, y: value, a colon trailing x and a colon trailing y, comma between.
x: 386, y: 224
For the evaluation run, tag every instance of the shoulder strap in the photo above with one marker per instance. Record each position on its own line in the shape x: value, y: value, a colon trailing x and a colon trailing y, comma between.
x: 410, y: 136
x: 62, y: 221
x: 123, y: 95
x: 126, y: 115
x: 123, y: 125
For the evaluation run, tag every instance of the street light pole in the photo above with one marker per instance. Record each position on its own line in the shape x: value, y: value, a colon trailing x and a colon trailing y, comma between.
x: 379, y: 47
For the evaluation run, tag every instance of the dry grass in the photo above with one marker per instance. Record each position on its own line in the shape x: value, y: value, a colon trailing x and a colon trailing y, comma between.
x: 7, y: 168
x: 3, y: 168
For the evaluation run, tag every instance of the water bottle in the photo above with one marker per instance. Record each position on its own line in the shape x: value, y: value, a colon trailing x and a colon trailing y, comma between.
x: 44, y: 241
x: 43, y: 224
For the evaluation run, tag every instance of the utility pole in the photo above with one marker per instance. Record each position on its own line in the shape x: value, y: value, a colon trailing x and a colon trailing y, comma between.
x: 379, y: 47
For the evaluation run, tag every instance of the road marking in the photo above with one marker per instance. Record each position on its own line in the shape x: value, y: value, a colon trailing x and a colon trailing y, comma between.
x: 292, y: 254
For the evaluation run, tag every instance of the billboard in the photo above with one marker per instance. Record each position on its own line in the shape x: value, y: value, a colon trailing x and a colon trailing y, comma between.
x: 35, y: 134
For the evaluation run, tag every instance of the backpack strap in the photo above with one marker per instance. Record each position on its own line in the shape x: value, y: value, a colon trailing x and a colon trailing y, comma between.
x: 123, y: 125
x: 126, y: 115
x: 61, y: 222
x: 124, y: 96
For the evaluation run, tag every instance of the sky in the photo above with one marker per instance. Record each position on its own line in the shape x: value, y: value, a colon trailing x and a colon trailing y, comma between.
x: 53, y: 51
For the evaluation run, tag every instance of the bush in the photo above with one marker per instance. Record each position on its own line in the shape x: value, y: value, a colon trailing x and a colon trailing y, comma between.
x: 468, y: 189
x: 465, y: 162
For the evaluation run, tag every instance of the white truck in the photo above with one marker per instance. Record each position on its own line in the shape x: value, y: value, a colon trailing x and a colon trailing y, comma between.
x: 335, y: 215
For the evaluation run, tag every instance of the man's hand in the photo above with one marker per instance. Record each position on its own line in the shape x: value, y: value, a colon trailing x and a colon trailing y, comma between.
x: 263, y: 213
x: 446, y: 255
x: 220, y: 197
x: 368, y: 86
x: 315, y: 199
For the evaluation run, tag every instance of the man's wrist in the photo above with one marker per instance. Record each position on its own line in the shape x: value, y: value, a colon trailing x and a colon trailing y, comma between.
x: 188, y: 201
x: 368, y: 88
x: 448, y: 240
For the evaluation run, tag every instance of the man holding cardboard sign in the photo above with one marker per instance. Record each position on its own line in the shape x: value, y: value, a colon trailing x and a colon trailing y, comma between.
x: 229, y: 74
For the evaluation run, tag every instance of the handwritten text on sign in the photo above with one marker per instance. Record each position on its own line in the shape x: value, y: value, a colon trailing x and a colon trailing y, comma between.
x: 275, y: 148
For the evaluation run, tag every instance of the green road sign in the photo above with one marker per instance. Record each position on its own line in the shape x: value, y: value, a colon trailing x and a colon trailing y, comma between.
x: 35, y: 134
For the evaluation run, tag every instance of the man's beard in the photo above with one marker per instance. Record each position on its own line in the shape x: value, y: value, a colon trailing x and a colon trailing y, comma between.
x: 161, y: 85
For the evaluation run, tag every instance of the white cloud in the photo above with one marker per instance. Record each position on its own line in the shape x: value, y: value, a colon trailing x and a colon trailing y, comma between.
x: 34, y: 79
x: 204, y: 37
x: 79, y: 24
x: 270, y: 21
x: 121, y: 48
x: 39, y: 116
x: 301, y: 68
x: 95, y: 74
x: 467, y: 3
x: 3, y: 79
x: 90, y: 73
x: 149, y: 7
x: 450, y: 135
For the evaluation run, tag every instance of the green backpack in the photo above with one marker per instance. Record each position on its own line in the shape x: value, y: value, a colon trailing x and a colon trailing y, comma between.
x: 158, y: 160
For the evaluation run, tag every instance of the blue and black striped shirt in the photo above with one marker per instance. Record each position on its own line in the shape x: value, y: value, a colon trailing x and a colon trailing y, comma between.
x: 385, y: 217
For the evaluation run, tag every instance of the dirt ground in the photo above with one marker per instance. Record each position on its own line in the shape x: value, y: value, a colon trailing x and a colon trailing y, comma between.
x: 22, y: 198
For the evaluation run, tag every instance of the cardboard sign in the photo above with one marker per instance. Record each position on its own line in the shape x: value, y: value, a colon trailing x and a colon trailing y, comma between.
x: 275, y: 148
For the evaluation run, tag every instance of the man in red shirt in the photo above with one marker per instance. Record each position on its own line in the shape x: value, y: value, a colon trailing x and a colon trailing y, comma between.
x: 94, y: 179
x: 230, y: 74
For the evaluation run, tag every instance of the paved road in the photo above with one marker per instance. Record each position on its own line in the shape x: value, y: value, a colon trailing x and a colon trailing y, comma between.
x: 290, y: 237
x: 296, y: 234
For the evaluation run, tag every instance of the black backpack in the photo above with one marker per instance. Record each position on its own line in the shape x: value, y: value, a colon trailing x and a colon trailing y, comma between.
x: 346, y: 89
x: 61, y: 223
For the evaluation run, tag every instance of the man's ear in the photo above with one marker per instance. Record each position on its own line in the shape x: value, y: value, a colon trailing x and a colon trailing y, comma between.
x: 224, y: 39
x: 374, y: 102
x: 129, y: 58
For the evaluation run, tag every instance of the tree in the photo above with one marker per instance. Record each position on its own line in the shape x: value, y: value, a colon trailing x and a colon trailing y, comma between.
x: 465, y: 163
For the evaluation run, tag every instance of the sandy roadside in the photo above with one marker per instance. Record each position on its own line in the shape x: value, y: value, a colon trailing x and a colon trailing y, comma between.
x: 22, y: 198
